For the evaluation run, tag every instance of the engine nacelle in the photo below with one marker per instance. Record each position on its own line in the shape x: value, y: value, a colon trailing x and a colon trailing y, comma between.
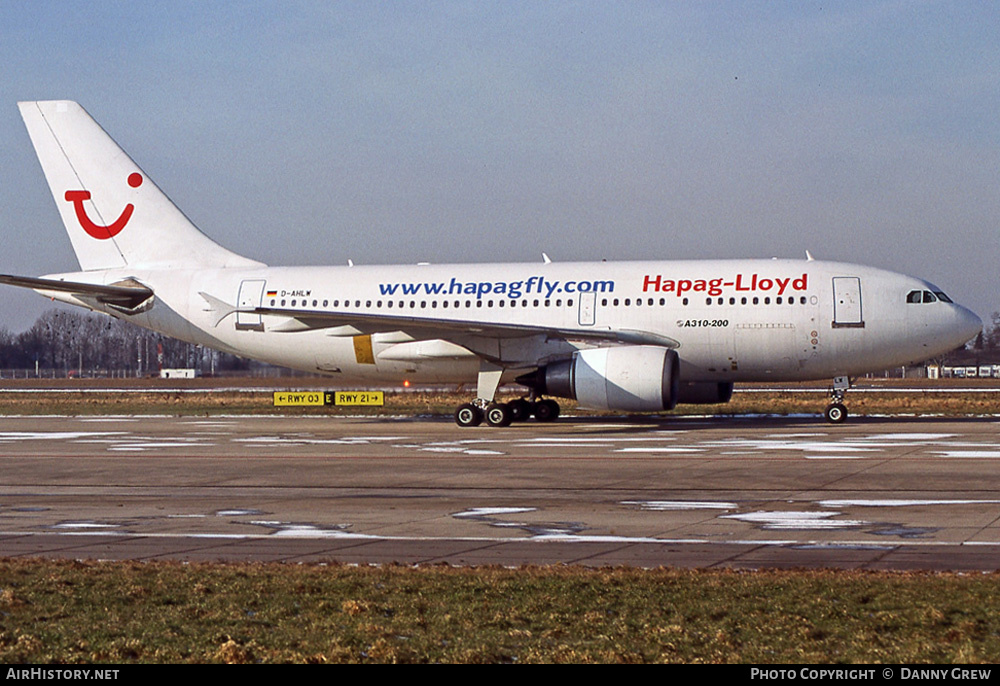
x: 705, y: 392
x: 637, y: 378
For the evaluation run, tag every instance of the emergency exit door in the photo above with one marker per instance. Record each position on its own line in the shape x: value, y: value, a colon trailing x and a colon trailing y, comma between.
x: 251, y: 292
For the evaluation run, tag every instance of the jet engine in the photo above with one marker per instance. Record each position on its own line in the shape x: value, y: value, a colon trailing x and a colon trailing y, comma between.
x: 636, y: 378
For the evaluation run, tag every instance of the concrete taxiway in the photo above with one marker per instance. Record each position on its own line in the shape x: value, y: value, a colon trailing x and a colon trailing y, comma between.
x: 754, y: 492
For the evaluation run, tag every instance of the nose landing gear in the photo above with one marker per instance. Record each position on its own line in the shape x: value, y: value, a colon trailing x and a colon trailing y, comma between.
x: 836, y: 411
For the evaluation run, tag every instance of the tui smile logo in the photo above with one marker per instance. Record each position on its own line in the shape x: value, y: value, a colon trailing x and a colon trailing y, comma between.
x: 96, y: 230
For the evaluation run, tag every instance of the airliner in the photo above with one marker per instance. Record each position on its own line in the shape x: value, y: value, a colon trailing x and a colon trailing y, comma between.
x: 621, y: 336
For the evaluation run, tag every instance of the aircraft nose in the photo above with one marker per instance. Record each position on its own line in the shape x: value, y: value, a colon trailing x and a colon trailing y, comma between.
x: 969, y: 324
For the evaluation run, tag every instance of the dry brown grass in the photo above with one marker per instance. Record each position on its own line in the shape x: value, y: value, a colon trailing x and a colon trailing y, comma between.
x: 74, y: 612
x: 435, y: 402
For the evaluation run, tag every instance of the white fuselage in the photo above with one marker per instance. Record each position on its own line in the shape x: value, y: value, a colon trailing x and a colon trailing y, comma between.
x: 732, y: 320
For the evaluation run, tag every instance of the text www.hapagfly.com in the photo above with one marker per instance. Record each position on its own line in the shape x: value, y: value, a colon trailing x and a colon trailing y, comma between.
x: 533, y: 285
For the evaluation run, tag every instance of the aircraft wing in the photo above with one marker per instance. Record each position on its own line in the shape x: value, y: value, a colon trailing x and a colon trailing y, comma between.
x: 437, y: 327
x: 127, y: 294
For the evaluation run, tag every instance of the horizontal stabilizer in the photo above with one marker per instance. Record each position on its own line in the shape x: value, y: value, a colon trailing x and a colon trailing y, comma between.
x: 128, y: 296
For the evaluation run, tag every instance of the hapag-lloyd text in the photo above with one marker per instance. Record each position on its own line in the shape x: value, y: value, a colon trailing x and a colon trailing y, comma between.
x: 742, y: 283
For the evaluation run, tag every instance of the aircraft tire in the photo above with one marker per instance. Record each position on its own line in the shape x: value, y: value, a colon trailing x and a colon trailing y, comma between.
x: 498, y: 414
x: 520, y: 410
x: 468, y: 415
x: 835, y: 413
x: 546, y: 410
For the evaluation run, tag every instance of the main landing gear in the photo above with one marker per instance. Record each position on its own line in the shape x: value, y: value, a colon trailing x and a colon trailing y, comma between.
x: 836, y: 412
x: 503, y: 414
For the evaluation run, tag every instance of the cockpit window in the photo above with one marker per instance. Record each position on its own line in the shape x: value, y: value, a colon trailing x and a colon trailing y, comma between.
x: 918, y: 297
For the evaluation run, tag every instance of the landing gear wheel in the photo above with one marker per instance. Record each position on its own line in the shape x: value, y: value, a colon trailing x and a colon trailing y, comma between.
x: 546, y: 410
x: 835, y: 413
x: 520, y: 410
x: 468, y: 415
x: 498, y: 414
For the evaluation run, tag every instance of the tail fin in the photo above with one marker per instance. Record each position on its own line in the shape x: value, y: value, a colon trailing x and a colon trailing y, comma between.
x: 114, y: 213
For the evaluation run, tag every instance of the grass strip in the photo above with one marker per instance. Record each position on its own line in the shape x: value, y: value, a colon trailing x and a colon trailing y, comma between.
x: 93, y: 402
x: 122, y: 612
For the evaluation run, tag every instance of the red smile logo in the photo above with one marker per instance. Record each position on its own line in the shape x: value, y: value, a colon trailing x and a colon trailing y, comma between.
x: 95, y: 230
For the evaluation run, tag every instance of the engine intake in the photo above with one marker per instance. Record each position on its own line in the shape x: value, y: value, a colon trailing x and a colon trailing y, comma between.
x: 705, y: 392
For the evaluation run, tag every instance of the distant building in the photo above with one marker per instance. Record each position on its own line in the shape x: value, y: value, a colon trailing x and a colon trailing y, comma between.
x: 178, y: 373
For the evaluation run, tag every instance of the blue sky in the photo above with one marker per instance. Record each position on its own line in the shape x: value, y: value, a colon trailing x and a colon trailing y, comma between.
x: 316, y: 132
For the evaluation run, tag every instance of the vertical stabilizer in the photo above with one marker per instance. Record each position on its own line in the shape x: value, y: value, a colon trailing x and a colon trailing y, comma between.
x: 114, y: 213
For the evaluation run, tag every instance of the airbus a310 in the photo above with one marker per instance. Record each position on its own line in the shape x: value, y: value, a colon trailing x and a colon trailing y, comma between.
x: 627, y: 336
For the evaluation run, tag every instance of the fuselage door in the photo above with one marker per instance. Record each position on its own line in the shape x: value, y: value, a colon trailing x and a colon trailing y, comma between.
x: 847, y: 302
x: 251, y: 292
x: 588, y: 307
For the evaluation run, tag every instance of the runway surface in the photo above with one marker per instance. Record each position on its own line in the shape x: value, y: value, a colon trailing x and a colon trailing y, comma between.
x: 892, y: 493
